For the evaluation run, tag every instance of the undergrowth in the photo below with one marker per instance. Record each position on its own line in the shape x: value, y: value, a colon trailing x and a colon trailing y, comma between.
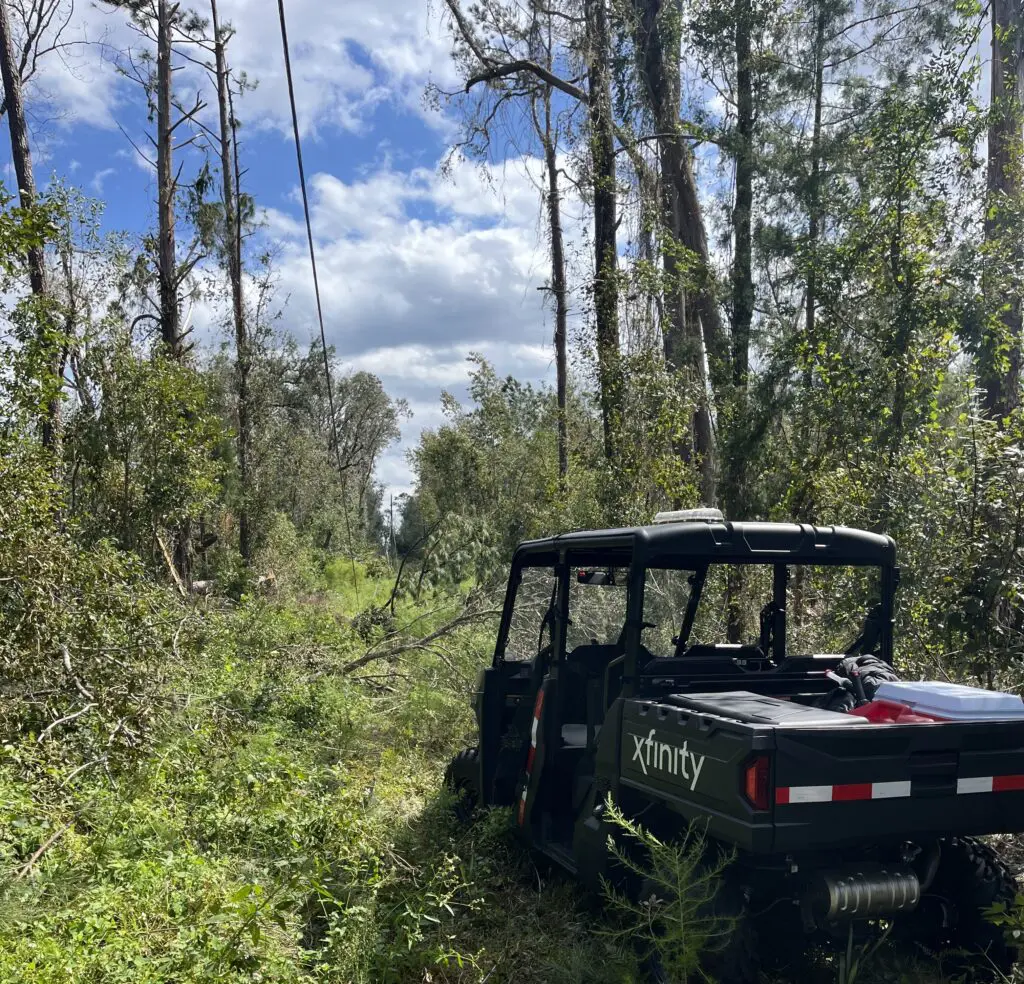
x: 283, y: 824
x: 282, y: 821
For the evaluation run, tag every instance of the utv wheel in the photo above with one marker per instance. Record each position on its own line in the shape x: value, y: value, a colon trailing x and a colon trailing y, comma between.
x: 461, y: 778
x: 971, y: 877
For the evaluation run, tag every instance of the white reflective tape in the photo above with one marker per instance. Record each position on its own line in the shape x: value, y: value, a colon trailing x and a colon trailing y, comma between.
x: 890, y: 790
x: 533, y: 732
x: 810, y: 794
x: 974, y: 784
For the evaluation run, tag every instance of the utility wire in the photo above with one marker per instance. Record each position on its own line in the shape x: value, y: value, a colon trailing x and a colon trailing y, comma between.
x: 316, y: 284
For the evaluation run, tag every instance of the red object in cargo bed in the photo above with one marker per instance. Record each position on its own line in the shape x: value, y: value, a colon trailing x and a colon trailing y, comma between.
x: 889, y: 712
x: 928, y: 701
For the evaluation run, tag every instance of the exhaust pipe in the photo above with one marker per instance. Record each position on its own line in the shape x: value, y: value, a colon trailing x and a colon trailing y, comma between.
x: 865, y: 891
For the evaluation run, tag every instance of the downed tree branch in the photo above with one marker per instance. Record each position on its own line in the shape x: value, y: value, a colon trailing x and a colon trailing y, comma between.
x: 65, y: 654
x: 424, y: 643
x: 64, y: 720
x: 170, y: 566
x: 43, y: 848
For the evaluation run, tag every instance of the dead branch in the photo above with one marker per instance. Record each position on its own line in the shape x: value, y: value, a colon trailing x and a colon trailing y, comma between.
x: 43, y: 848
x: 64, y: 720
x: 495, y: 72
x: 170, y: 566
x: 424, y: 643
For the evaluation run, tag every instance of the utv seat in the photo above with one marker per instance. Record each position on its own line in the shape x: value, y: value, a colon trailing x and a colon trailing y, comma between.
x: 575, y: 735
x: 696, y: 658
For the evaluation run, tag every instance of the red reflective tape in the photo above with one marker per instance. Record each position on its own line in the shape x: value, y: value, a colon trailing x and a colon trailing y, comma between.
x: 1007, y: 784
x: 782, y: 796
x: 529, y: 760
x: 849, y: 791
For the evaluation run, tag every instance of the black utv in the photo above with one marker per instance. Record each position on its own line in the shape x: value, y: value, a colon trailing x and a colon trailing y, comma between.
x: 728, y: 674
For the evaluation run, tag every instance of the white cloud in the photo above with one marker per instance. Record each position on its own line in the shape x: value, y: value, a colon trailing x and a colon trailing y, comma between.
x: 417, y: 271
x: 347, y: 58
x: 100, y: 177
x: 406, y: 257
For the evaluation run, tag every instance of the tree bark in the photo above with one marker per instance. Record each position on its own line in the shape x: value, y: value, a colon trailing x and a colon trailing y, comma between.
x: 814, y: 205
x: 602, y: 153
x: 21, y: 156
x: 742, y: 266
x: 232, y: 251
x: 557, y: 286
x: 167, y: 255
x: 1000, y: 356
x: 167, y: 258
x: 694, y: 337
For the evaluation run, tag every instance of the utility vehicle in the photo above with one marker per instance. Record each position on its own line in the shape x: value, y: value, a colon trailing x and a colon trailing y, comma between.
x: 722, y: 673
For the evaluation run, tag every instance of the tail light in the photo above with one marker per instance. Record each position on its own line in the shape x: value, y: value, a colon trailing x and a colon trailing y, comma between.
x: 757, y: 782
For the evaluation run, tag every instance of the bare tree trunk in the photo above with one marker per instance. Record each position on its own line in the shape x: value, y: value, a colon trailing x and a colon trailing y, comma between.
x: 693, y: 333
x: 557, y: 284
x: 814, y: 210
x: 734, y: 465
x: 1000, y: 357
x: 167, y: 254
x: 21, y: 156
x: 167, y: 258
x: 232, y: 249
x: 742, y: 216
x: 602, y: 153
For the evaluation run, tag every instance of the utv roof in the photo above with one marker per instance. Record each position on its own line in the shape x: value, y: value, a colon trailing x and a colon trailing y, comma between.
x: 689, y: 543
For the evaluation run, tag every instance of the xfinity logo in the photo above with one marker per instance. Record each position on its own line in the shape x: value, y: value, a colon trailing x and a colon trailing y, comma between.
x: 667, y: 758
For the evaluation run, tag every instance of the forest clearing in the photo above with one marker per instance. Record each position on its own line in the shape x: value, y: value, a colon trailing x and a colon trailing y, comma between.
x: 313, y: 312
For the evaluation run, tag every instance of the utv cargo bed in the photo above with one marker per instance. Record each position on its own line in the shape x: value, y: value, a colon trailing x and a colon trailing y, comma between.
x: 772, y: 776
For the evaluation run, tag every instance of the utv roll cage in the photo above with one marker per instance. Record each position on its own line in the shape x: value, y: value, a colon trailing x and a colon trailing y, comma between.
x: 695, y: 546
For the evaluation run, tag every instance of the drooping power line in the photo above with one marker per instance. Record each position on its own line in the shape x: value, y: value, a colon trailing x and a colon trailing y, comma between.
x: 316, y: 287
x: 309, y: 229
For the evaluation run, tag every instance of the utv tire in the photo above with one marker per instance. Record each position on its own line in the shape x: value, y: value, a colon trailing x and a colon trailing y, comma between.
x: 971, y: 877
x: 462, y: 778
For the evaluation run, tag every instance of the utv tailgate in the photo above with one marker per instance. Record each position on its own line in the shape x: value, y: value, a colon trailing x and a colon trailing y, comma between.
x: 834, y: 779
x: 897, y: 781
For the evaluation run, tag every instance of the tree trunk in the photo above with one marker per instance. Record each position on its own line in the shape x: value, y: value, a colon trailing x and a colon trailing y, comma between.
x: 602, y: 152
x: 734, y: 465
x: 557, y: 285
x: 167, y: 254
x: 167, y: 259
x: 814, y: 206
x: 21, y: 157
x: 1000, y: 357
x: 742, y: 216
x: 693, y: 334
x: 232, y: 250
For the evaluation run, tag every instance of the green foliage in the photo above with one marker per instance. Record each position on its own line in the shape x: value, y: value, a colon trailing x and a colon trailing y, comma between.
x: 141, y: 455
x: 285, y: 823
x: 79, y: 629
x: 675, y: 915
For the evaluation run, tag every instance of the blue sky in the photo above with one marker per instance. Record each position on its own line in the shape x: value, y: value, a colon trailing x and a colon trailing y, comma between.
x: 417, y: 269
